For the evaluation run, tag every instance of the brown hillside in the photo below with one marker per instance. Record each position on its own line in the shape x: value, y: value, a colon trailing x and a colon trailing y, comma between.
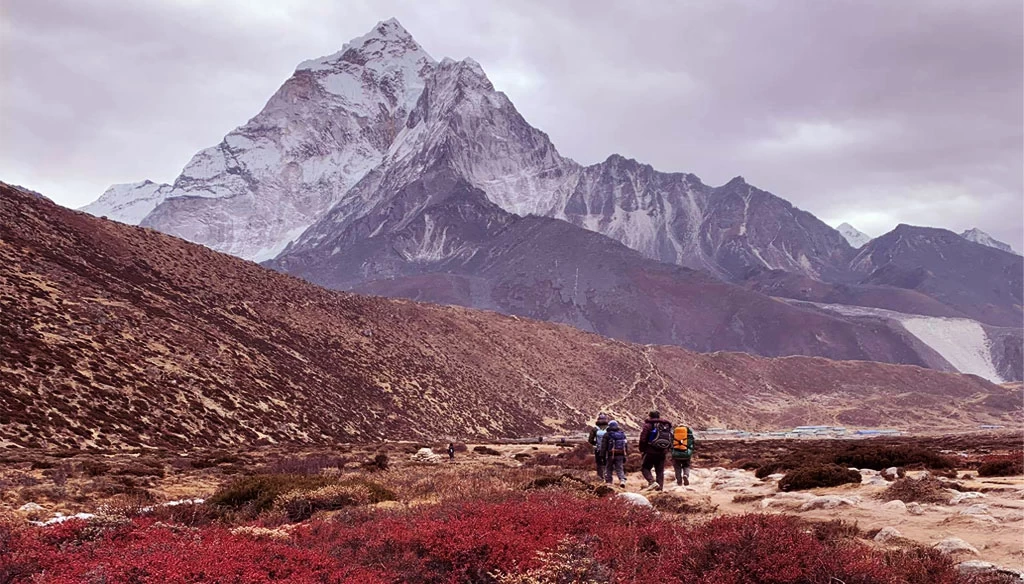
x: 117, y: 335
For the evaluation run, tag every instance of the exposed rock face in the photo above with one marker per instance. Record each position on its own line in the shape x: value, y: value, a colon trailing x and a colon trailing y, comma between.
x: 117, y: 335
x: 439, y: 239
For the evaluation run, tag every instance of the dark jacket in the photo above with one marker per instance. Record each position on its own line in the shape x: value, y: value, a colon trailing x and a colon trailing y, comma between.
x: 645, y: 434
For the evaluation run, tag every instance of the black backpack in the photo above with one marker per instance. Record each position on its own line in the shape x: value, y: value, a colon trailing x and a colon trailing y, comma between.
x: 661, y: 435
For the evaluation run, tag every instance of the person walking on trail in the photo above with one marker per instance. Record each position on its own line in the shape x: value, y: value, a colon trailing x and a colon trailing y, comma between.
x: 595, y: 439
x: 614, y: 447
x: 451, y: 451
x: 682, y: 451
x: 655, y: 441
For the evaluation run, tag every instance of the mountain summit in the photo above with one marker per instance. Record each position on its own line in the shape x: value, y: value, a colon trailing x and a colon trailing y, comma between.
x: 854, y: 236
x: 978, y: 236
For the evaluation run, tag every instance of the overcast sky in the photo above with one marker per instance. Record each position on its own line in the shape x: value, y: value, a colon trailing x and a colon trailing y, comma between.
x: 875, y: 113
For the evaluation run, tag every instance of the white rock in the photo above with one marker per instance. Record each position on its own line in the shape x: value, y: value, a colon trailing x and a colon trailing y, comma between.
x: 915, y: 508
x: 426, y: 455
x: 892, y: 473
x: 775, y: 476
x: 636, y: 499
x: 961, y: 497
x: 953, y: 545
x: 875, y: 481
x: 30, y: 507
x: 896, y: 506
x: 867, y: 472
x: 828, y: 502
x: 886, y: 534
x: 978, y: 509
x: 976, y: 566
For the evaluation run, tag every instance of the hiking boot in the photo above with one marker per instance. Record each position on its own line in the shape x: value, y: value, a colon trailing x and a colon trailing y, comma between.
x: 686, y: 481
x: 622, y: 484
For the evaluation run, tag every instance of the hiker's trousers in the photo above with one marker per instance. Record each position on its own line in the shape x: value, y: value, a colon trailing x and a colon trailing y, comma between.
x: 617, y: 463
x: 653, y: 460
x: 682, y: 468
x: 602, y: 463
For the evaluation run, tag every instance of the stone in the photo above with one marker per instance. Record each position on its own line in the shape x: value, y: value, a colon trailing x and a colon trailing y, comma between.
x: 30, y: 508
x: 427, y: 456
x: 887, y: 534
x: 961, y: 497
x: 828, y: 502
x: 874, y: 481
x: 915, y: 508
x: 896, y: 506
x: 977, y: 509
x: 955, y: 545
x: 892, y: 473
x: 636, y: 499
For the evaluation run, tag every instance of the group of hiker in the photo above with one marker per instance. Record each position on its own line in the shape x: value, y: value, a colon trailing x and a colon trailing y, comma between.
x: 658, y: 438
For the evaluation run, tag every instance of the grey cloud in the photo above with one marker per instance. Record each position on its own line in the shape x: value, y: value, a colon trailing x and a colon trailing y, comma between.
x: 880, y: 111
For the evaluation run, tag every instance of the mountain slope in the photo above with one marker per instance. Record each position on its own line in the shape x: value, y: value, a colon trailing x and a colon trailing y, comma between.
x: 983, y: 283
x: 439, y: 239
x: 118, y: 335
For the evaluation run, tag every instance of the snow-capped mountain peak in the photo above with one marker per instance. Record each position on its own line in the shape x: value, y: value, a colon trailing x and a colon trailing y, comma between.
x: 978, y: 236
x: 854, y: 236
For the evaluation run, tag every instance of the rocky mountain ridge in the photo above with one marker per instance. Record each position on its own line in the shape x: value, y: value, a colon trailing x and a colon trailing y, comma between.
x: 122, y: 336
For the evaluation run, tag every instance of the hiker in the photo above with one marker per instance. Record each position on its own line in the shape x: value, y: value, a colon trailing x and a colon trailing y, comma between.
x: 595, y: 439
x: 451, y: 451
x: 655, y: 441
x: 614, y: 447
x: 682, y: 451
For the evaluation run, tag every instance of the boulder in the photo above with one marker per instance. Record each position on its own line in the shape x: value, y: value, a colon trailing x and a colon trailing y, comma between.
x: 636, y: 499
x: 896, y: 506
x: 978, y: 509
x: 874, y: 481
x: 829, y: 502
x: 915, y: 508
x: 955, y: 545
x: 959, y: 497
x: 427, y: 455
x: 980, y: 567
x: 887, y: 534
x: 30, y: 508
x: 892, y: 473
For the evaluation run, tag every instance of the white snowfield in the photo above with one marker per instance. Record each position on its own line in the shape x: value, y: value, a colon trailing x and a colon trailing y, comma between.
x: 960, y: 341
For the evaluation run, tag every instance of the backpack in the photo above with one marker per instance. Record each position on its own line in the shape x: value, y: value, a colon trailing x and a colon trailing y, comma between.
x: 600, y: 436
x: 682, y: 442
x: 661, y: 435
x: 615, y: 442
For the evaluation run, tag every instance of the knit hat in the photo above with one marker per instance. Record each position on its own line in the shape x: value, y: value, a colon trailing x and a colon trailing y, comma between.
x: 613, y: 425
x: 654, y: 414
x: 602, y: 418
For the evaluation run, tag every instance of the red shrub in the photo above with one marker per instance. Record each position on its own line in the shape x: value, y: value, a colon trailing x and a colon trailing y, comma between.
x: 465, y: 542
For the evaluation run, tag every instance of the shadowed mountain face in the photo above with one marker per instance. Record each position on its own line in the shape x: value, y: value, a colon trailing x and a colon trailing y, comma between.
x: 440, y: 240
x: 981, y: 282
x: 118, y: 335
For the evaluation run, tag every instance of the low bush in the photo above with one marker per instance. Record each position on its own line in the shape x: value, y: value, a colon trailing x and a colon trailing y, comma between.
x: 1001, y: 467
x: 882, y: 456
x: 300, y: 505
x: 257, y: 493
x: 378, y: 463
x: 923, y: 490
x: 820, y: 475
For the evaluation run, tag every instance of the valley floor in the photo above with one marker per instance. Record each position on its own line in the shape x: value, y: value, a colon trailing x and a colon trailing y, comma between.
x: 987, y: 513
